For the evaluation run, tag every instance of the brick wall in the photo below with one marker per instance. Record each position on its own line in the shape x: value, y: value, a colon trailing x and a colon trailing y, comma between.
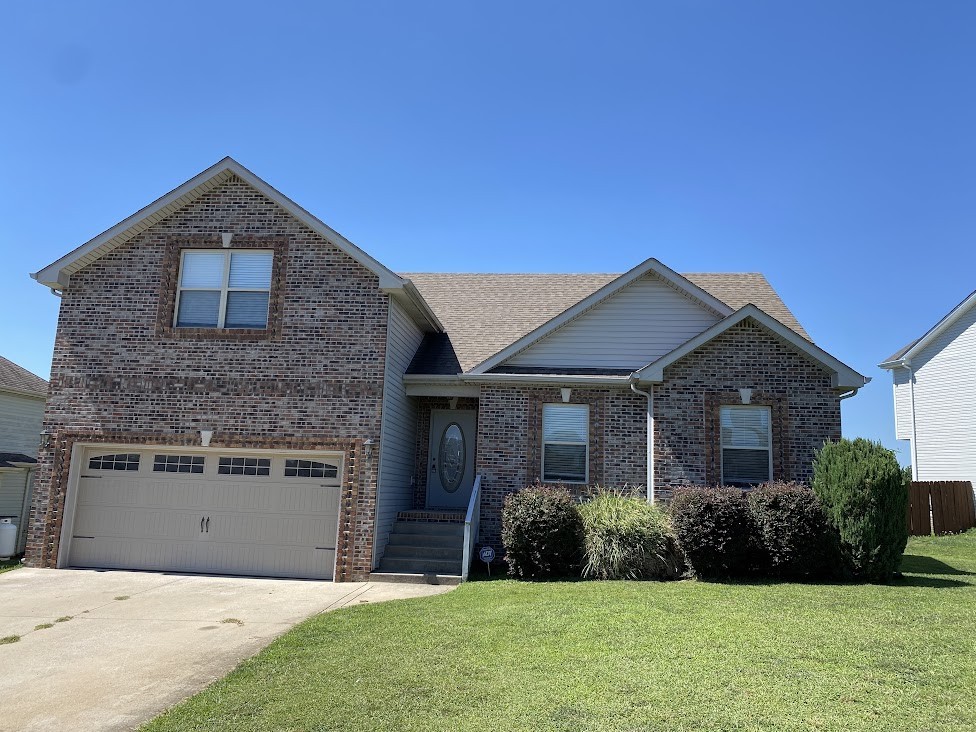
x: 312, y: 381
x: 805, y: 413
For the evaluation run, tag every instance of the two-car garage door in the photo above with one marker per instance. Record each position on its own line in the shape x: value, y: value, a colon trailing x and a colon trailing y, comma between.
x: 210, y: 511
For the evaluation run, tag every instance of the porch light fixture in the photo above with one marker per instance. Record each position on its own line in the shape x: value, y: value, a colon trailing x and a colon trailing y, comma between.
x: 745, y: 395
x: 567, y: 393
x: 368, y: 447
x: 225, y: 238
x: 45, y: 439
x: 205, y: 436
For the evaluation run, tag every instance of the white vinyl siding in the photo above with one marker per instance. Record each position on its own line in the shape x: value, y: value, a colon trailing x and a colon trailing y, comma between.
x: 21, y: 418
x: 636, y: 326
x: 224, y: 288
x: 398, y: 433
x: 565, y: 443
x: 746, y: 436
x: 945, y: 403
x: 903, y: 404
x: 13, y: 483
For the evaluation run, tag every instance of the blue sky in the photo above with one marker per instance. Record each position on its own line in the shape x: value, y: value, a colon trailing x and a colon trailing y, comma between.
x: 829, y: 145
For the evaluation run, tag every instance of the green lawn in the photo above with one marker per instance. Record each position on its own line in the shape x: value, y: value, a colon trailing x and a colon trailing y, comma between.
x: 506, y: 655
x: 9, y: 564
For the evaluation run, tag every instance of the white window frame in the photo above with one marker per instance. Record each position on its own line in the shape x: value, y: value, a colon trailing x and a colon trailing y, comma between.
x: 224, y: 287
x: 586, y: 444
x: 722, y: 447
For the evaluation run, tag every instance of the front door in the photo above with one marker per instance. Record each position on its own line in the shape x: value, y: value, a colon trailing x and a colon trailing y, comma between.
x: 450, y: 458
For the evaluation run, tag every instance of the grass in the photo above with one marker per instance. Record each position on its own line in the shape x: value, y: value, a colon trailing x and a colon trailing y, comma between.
x: 43, y: 626
x: 7, y: 639
x: 505, y: 655
x: 8, y: 565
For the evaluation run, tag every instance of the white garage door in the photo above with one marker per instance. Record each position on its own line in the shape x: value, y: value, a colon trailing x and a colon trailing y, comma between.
x: 217, y: 512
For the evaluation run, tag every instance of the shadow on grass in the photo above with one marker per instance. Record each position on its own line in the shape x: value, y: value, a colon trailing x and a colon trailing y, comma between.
x: 920, y: 564
x: 921, y: 580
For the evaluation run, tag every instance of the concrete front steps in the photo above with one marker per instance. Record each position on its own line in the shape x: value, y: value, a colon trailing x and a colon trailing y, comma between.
x: 427, y: 551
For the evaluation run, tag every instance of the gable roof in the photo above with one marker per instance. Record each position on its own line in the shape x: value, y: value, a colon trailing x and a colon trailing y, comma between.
x: 844, y: 377
x: 906, y: 353
x: 485, y: 313
x: 19, y: 380
x: 57, y: 275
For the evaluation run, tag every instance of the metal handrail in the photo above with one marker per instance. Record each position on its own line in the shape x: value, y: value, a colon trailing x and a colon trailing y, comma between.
x: 472, y: 523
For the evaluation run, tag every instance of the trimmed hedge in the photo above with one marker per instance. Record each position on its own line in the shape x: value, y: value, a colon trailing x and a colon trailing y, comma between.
x: 716, y: 531
x: 542, y: 532
x: 864, y: 493
x: 794, y: 531
x: 628, y: 538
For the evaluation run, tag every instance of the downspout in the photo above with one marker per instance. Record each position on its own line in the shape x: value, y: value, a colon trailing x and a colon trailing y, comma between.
x: 911, y: 390
x: 650, y: 436
x: 56, y: 293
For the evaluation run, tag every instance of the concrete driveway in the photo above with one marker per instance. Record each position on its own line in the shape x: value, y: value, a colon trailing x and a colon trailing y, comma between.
x: 124, y: 646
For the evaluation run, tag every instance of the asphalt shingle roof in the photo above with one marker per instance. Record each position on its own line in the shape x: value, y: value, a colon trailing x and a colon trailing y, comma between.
x: 8, y: 459
x: 17, y: 378
x: 484, y: 313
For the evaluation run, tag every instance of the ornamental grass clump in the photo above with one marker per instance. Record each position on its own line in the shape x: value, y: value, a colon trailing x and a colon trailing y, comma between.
x: 628, y: 538
x: 864, y: 493
x: 542, y: 533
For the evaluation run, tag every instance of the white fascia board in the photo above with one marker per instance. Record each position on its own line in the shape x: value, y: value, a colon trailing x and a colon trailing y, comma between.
x: 898, y: 363
x: 651, y: 265
x: 28, y: 394
x: 57, y: 273
x: 843, y: 376
x: 470, y: 384
x: 938, y: 329
x: 581, y: 380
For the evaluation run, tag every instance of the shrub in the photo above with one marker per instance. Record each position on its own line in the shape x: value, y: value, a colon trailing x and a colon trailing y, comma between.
x: 628, y: 538
x: 542, y: 533
x: 865, y: 496
x: 792, y: 527
x: 716, y: 532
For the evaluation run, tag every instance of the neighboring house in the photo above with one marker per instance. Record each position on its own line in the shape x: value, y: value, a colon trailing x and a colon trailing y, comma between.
x: 238, y: 388
x: 22, y: 396
x: 935, y: 396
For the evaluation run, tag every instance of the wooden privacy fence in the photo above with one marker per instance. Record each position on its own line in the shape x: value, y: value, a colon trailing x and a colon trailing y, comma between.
x: 940, y: 507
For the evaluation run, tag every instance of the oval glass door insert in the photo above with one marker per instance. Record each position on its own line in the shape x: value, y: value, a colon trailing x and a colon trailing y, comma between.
x: 450, y: 457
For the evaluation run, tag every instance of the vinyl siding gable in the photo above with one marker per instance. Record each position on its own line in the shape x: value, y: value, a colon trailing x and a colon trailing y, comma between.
x: 398, y: 433
x: 945, y: 403
x: 634, y: 327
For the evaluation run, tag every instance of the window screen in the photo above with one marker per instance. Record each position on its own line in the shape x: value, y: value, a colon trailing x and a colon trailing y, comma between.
x: 565, y: 442
x: 746, y: 445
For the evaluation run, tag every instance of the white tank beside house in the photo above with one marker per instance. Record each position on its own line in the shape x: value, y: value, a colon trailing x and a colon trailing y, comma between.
x: 934, y: 380
x: 22, y: 397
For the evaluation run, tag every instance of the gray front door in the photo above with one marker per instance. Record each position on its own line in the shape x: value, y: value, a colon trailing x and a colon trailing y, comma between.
x: 450, y: 458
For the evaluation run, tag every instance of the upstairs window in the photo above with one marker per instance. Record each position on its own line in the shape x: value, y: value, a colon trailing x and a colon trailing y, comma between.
x: 747, y: 456
x: 565, y: 443
x: 224, y: 288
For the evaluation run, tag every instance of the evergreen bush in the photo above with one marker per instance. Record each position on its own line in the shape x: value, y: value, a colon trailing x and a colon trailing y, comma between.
x: 864, y: 493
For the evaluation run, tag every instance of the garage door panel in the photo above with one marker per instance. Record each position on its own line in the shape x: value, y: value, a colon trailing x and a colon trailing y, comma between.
x: 259, y: 525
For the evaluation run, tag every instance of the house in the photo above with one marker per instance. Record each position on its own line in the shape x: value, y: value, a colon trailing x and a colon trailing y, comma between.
x: 934, y: 383
x: 22, y: 396
x: 238, y: 388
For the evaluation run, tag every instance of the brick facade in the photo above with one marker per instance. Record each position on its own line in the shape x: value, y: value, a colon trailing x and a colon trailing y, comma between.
x: 312, y: 380
x: 805, y: 413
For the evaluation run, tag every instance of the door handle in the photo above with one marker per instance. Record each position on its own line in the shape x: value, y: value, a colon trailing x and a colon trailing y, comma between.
x: 201, y: 524
x: 208, y: 524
